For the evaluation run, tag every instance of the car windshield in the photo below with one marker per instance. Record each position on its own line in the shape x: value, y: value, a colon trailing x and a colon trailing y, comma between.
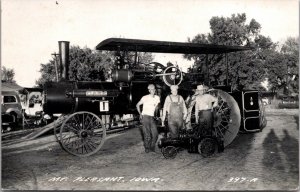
x: 9, y: 99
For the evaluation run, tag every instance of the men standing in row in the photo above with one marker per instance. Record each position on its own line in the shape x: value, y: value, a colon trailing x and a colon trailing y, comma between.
x: 149, y: 103
x: 175, y: 107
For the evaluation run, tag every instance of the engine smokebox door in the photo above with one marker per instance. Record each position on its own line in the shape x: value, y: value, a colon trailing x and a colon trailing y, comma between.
x: 55, y: 99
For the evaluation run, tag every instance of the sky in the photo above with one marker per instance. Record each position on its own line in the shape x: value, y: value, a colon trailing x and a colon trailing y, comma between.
x: 31, y: 29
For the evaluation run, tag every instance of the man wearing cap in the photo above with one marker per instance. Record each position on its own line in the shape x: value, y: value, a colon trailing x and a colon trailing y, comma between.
x: 204, y: 107
x: 175, y: 107
x: 149, y: 103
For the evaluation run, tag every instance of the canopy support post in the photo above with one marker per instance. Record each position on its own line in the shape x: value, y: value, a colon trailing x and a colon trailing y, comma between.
x: 226, y: 57
x: 135, y: 56
x: 207, y: 76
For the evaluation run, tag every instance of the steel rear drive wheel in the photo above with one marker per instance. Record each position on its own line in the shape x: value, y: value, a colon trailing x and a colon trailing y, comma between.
x: 262, y: 116
x: 227, y: 117
x: 82, y: 134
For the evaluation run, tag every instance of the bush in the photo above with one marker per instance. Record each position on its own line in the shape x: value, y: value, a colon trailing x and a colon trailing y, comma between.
x: 288, y: 105
x: 274, y: 104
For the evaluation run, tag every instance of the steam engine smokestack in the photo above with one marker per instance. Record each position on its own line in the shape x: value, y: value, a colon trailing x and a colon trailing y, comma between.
x: 64, y: 59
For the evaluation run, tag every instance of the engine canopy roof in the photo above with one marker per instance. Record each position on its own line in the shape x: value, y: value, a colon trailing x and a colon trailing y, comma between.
x: 121, y: 44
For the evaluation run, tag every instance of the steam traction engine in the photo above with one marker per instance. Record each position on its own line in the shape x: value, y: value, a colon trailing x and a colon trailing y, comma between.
x: 88, y: 104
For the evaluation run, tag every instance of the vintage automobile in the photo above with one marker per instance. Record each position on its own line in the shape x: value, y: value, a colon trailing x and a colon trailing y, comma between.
x: 31, y: 100
x: 83, y: 133
x: 11, y: 109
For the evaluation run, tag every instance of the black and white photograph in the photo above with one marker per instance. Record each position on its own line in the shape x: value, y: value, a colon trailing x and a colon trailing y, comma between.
x: 150, y: 95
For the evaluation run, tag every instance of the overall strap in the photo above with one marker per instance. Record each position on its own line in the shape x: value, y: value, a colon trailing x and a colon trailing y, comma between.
x: 171, y: 98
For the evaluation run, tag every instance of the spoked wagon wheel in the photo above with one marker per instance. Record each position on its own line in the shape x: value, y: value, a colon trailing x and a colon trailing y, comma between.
x: 82, y: 134
x: 227, y: 117
x: 57, y: 126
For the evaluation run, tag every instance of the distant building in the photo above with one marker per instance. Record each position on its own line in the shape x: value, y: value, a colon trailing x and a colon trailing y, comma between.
x: 10, y: 86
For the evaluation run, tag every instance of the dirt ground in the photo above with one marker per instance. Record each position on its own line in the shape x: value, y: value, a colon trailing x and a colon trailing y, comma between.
x: 266, y: 160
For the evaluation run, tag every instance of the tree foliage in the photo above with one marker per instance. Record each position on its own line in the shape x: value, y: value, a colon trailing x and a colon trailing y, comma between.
x: 247, y: 69
x: 233, y: 30
x: 85, y: 65
x: 88, y: 65
x: 288, y: 76
x: 141, y: 57
x: 7, y: 74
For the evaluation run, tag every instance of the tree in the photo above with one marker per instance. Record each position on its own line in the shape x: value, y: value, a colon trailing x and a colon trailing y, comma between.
x: 85, y: 65
x: 246, y: 69
x: 7, y: 74
x: 88, y: 65
x: 291, y: 46
x: 47, y: 73
x: 142, y: 57
x: 288, y: 75
x: 233, y: 30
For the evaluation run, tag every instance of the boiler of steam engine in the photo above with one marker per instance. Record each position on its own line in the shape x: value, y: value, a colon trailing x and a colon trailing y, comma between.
x: 117, y: 97
x: 69, y: 97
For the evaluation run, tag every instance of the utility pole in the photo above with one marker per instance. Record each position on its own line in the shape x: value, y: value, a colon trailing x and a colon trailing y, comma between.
x: 55, y: 63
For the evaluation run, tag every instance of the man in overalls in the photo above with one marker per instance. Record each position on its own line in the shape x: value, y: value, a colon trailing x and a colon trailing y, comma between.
x: 149, y: 103
x: 175, y: 107
x: 204, y: 108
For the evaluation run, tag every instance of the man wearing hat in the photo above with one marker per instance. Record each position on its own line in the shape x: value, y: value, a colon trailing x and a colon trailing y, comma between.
x: 204, y: 106
x: 175, y: 107
x: 149, y: 103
